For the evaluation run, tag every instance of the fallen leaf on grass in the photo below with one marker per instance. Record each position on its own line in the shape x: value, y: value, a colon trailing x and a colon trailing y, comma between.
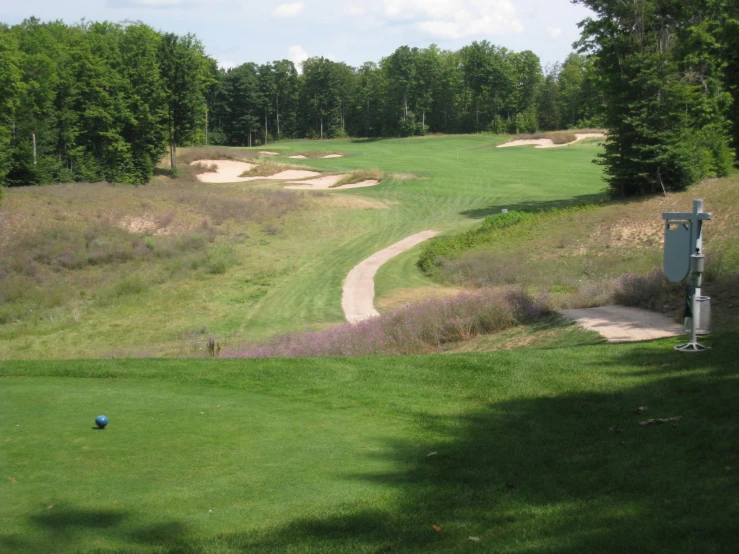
x: 660, y: 420
x: 473, y: 539
x: 641, y: 410
x: 430, y: 454
x: 49, y: 507
x: 436, y: 528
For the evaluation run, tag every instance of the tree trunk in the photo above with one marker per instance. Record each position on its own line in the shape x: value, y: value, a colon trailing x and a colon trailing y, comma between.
x: 266, y: 131
x: 321, y: 127
x: 206, y: 124
x: 33, y: 137
x: 172, y: 160
x: 405, y: 106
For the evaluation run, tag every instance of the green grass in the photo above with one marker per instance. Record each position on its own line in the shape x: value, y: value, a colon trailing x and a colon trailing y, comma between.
x: 333, y: 455
x: 288, y: 275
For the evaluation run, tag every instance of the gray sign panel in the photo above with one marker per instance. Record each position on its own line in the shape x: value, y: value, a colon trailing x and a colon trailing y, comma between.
x: 677, y: 250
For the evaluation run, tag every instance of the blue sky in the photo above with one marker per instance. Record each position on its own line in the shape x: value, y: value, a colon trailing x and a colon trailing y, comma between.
x: 353, y: 31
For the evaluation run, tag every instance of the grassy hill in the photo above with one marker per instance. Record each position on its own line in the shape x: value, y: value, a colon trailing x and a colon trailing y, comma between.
x: 101, y: 270
x: 569, y: 445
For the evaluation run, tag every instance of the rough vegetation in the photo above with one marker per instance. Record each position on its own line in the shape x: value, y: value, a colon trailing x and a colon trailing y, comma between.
x: 416, y: 329
x: 359, y: 175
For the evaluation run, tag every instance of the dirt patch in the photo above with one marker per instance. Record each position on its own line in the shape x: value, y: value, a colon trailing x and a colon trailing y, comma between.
x: 357, y: 299
x: 228, y: 171
x: 549, y: 143
x: 622, y: 324
x: 639, y: 235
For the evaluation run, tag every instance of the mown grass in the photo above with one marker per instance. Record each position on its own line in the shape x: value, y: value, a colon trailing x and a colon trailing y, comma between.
x: 287, y: 268
x: 535, y: 450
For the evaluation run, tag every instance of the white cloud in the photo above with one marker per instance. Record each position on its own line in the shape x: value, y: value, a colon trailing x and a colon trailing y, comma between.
x: 554, y: 32
x: 298, y: 55
x: 454, y: 19
x: 355, y: 11
x: 225, y: 64
x: 288, y: 10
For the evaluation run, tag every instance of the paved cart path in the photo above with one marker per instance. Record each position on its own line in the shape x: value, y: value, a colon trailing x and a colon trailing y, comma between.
x: 358, y: 294
x: 622, y: 324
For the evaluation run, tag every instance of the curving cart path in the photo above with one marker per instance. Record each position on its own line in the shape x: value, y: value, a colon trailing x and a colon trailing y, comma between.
x: 357, y: 299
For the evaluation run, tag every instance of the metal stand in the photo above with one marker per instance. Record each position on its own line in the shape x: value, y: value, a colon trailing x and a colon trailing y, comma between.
x: 676, y: 269
x: 692, y: 347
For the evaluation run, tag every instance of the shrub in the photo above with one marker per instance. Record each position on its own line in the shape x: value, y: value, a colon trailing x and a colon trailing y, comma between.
x: 419, y: 328
x: 650, y: 292
x: 452, y: 246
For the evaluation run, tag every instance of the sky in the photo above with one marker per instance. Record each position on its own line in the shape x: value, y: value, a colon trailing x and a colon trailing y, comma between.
x: 352, y: 31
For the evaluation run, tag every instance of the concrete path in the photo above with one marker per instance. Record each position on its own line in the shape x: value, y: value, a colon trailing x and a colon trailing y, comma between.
x: 357, y: 299
x: 622, y: 324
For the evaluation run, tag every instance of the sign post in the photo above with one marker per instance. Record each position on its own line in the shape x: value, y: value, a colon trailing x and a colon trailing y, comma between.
x: 684, y: 257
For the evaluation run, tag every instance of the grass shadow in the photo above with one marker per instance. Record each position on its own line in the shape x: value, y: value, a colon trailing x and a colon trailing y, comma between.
x: 559, y: 471
x: 534, y: 206
x: 67, y: 527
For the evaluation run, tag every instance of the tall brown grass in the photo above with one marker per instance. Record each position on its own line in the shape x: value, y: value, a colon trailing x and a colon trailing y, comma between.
x: 359, y: 175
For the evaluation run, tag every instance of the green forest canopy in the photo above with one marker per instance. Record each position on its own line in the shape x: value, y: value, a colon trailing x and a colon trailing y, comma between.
x: 104, y: 101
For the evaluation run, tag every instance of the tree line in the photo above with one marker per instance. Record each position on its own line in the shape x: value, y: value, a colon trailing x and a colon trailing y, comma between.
x: 97, y: 101
x: 414, y: 91
x: 105, y: 101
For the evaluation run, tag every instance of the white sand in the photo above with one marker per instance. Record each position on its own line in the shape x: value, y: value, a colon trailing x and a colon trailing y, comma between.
x: 622, y: 324
x: 328, y: 182
x: 298, y: 157
x: 357, y: 299
x: 548, y: 143
x: 268, y: 153
x: 334, y: 156
x: 290, y: 174
x: 228, y: 171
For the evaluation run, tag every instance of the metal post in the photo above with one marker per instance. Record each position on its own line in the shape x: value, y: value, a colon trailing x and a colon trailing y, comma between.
x: 697, y: 267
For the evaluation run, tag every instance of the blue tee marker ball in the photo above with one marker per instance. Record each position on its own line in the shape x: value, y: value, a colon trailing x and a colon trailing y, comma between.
x: 101, y: 421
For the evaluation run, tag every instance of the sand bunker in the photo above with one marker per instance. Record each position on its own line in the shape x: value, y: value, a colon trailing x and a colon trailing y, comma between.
x: 298, y: 157
x: 228, y: 171
x: 357, y: 299
x: 289, y: 174
x: 548, y: 143
x: 268, y: 153
x: 622, y: 324
x: 334, y: 156
x: 328, y: 182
